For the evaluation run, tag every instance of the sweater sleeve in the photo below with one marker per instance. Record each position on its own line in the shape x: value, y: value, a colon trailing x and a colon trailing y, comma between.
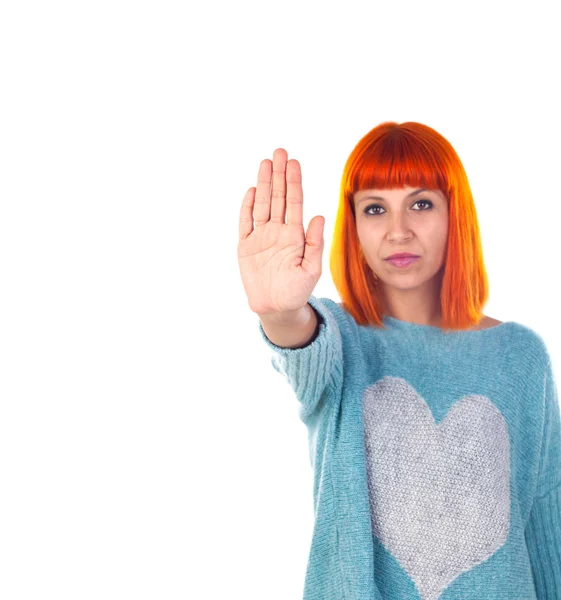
x: 543, y: 530
x: 310, y: 369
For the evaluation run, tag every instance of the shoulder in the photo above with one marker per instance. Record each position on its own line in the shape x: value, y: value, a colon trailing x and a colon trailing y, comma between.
x: 523, y: 332
x: 530, y: 344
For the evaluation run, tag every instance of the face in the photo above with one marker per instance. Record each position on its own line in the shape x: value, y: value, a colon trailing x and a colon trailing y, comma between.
x: 402, y: 220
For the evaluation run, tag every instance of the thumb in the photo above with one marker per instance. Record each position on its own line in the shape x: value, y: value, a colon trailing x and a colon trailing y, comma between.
x: 314, y: 242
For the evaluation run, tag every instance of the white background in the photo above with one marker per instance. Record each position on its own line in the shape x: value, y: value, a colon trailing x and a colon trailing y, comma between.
x: 148, y: 449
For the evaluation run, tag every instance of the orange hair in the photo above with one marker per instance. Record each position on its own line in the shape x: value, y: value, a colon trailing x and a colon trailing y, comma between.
x: 393, y: 155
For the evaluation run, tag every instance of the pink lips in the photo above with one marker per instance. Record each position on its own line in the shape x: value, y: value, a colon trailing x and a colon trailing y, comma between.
x: 402, y: 262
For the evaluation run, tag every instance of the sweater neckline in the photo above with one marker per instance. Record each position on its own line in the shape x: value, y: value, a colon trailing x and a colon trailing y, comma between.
x: 408, y: 326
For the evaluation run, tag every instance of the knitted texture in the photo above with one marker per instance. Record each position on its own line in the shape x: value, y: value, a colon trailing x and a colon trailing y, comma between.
x: 436, y: 460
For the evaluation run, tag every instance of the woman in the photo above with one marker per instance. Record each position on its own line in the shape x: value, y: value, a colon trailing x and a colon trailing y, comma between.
x: 434, y: 430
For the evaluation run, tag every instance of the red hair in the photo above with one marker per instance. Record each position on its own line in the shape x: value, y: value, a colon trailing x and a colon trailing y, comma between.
x: 393, y: 155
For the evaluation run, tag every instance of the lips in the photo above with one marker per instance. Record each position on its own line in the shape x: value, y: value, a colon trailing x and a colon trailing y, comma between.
x: 402, y: 255
x: 402, y: 262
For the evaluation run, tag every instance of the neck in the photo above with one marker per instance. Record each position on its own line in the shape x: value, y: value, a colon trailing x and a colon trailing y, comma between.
x: 418, y: 305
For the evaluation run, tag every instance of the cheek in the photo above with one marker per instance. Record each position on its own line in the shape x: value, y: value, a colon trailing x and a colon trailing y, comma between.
x: 368, y: 237
x: 442, y: 242
x: 364, y: 232
x: 439, y: 232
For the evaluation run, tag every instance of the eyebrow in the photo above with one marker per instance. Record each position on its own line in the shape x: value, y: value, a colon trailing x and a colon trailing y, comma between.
x: 380, y: 198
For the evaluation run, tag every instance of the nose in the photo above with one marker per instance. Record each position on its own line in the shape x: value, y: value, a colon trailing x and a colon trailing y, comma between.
x: 398, y: 227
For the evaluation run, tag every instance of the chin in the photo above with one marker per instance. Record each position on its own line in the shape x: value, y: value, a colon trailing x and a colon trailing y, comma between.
x: 404, y: 286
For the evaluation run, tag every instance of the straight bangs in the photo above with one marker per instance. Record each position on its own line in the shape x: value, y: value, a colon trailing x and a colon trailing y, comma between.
x: 395, y: 160
x: 391, y: 156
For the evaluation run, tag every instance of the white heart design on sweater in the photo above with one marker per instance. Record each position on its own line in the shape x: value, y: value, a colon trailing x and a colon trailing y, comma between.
x: 439, y: 494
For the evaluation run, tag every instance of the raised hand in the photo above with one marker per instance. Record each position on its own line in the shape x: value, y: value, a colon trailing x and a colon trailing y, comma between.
x: 279, y: 264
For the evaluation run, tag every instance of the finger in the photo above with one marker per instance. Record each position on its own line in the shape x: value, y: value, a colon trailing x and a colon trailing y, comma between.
x: 294, y: 196
x: 262, y: 202
x: 278, y: 194
x: 246, y: 213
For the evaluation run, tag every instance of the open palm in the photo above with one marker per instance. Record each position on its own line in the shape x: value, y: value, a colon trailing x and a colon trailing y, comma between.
x: 279, y: 264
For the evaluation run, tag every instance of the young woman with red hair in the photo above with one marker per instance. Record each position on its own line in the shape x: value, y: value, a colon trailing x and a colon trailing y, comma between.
x: 434, y: 430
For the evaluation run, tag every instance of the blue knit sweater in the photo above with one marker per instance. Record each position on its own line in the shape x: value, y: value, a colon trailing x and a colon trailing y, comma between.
x: 436, y: 459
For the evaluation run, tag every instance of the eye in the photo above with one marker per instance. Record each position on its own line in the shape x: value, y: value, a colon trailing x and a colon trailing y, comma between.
x: 369, y: 214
